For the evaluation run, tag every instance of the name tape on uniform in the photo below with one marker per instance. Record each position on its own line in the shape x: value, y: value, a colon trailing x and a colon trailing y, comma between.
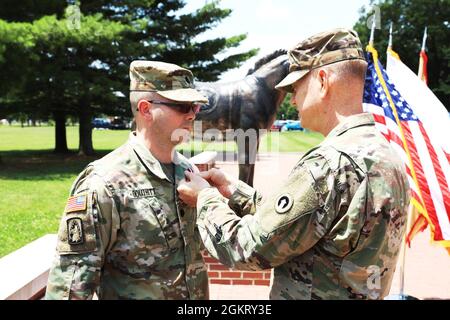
x: 141, y: 193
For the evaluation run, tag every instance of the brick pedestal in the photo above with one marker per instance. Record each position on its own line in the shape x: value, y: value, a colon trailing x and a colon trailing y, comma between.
x: 220, y: 274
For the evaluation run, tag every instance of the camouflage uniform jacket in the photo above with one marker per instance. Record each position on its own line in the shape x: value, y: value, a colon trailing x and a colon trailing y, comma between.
x: 125, y: 235
x: 332, y: 231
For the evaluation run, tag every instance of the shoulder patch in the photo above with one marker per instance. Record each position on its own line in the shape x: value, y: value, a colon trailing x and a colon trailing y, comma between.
x: 75, y: 233
x: 283, y: 203
x: 76, y: 203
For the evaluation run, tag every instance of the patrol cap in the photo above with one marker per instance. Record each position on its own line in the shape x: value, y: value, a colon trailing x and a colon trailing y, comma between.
x: 168, y: 80
x: 319, y: 50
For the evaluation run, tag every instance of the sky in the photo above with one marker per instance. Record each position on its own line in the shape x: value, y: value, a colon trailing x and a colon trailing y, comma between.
x: 276, y: 24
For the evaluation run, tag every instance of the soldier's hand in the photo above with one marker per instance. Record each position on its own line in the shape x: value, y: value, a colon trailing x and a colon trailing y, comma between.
x: 189, y: 188
x: 224, y: 183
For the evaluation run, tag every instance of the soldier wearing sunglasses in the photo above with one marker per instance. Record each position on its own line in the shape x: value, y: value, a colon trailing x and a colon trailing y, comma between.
x: 124, y: 234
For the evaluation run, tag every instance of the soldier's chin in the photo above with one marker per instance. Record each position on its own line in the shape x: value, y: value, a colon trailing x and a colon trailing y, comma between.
x: 178, y: 141
x: 179, y: 135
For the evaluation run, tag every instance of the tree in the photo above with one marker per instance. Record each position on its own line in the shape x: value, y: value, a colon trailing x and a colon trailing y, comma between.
x: 84, y: 71
x: 287, y: 110
x: 19, y: 59
x: 57, y: 71
x: 409, y: 18
x: 162, y: 34
x: 159, y: 33
x: 74, y: 78
x: 30, y: 10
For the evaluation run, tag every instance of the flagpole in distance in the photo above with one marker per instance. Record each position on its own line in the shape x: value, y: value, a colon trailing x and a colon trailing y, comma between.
x: 423, y: 59
x: 401, y: 295
x: 372, y: 29
x: 424, y: 40
x: 390, y: 37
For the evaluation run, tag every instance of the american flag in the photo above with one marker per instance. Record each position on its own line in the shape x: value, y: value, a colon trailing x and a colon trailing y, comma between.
x: 76, y: 203
x: 424, y: 161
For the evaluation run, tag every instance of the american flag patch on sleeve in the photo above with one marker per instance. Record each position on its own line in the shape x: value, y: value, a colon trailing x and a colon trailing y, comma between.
x: 76, y: 203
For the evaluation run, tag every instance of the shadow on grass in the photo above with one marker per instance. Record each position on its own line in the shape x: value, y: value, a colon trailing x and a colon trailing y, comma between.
x: 43, y: 164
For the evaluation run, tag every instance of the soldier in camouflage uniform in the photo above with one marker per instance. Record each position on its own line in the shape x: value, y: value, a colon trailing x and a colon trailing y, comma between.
x: 334, y: 229
x: 124, y: 233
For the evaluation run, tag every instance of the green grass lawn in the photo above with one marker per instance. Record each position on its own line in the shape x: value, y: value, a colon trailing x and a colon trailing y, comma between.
x: 34, y: 183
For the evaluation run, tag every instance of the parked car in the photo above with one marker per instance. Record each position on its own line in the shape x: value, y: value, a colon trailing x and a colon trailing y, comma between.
x: 101, y: 123
x: 291, y: 126
x: 119, y: 124
x: 278, y: 124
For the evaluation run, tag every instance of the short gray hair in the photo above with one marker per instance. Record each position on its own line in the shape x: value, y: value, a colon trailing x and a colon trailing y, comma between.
x: 355, y: 68
x: 136, y: 96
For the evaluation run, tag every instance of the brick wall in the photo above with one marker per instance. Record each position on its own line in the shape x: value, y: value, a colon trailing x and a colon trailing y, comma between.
x: 217, y: 272
x: 220, y: 274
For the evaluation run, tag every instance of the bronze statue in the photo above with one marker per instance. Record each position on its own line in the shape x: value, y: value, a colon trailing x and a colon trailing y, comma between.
x: 250, y: 103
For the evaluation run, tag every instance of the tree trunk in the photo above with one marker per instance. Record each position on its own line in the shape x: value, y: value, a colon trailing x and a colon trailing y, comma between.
x: 86, y: 148
x: 60, y: 132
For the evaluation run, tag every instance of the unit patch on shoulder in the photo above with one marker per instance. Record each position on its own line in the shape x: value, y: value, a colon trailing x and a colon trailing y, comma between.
x: 75, y: 231
x: 283, y: 203
x: 76, y: 203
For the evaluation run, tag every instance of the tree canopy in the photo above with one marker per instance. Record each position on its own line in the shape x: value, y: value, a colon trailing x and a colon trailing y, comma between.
x: 409, y: 18
x: 73, y: 60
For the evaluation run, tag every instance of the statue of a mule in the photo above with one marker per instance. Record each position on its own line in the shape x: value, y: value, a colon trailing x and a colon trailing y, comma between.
x: 249, y: 104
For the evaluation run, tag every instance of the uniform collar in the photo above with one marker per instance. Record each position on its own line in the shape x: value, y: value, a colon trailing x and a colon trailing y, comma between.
x: 146, y: 158
x: 357, y: 120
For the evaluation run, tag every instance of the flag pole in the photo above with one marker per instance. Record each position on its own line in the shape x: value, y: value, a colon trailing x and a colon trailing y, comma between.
x: 372, y: 30
x: 424, y: 40
x: 423, y: 59
x: 401, y: 295
x: 390, y: 37
x: 403, y: 245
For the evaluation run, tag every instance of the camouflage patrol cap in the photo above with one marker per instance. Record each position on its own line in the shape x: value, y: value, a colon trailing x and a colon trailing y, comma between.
x: 168, y: 80
x: 319, y: 50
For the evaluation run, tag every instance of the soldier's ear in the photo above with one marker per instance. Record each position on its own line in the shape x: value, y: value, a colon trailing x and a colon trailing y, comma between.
x: 323, y: 77
x: 144, y: 109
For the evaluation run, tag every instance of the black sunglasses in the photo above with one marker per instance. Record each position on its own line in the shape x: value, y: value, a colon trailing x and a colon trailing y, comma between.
x: 180, y: 107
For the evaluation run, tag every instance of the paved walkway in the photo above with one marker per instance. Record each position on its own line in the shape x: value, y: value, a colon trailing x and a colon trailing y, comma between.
x: 427, y: 268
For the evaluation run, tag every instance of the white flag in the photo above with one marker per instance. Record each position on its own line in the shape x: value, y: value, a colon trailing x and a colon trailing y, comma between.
x: 431, y: 112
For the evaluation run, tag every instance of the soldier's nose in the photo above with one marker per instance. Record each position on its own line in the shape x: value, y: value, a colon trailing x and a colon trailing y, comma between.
x: 293, y: 100
x: 190, y: 115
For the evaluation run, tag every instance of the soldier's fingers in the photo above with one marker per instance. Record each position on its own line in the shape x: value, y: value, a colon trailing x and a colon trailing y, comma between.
x: 183, y: 187
x: 213, y: 175
x: 205, y: 174
x: 189, y: 175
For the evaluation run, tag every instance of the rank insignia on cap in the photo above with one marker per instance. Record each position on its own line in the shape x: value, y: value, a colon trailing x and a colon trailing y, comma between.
x: 283, y: 203
x: 75, y: 231
x: 76, y: 203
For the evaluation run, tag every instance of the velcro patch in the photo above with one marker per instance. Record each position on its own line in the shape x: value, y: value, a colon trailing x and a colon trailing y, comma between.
x: 283, y: 203
x: 75, y: 233
x: 76, y: 203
